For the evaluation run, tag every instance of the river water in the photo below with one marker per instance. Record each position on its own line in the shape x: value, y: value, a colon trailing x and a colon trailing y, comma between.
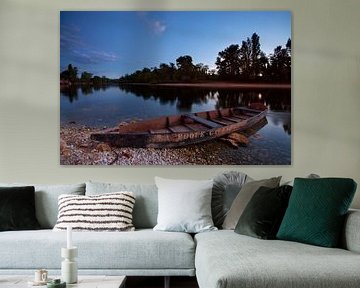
x: 110, y: 105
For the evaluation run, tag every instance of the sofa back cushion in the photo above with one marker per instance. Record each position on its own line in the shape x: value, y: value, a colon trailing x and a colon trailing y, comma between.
x: 146, y: 204
x: 46, y: 200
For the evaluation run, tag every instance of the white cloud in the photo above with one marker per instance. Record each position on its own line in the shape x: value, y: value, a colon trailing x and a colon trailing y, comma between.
x: 158, y: 27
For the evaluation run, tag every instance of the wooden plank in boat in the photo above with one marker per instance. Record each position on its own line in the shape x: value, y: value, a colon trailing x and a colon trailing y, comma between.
x: 231, y: 119
x: 203, y: 121
x: 197, y: 127
x: 160, y: 131
x: 248, y: 109
x: 221, y: 122
x: 240, y: 117
x: 190, y: 126
x: 179, y: 128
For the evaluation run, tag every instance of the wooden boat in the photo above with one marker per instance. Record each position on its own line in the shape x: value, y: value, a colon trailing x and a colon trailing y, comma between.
x: 183, y: 129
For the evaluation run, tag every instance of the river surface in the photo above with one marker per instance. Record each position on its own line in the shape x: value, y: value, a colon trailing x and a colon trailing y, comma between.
x: 108, y: 106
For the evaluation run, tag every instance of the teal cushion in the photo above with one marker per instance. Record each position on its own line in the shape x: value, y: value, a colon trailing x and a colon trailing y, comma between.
x: 316, y: 211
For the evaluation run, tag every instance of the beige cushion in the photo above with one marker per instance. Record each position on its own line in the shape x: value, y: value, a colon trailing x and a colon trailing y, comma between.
x: 105, y: 212
x: 243, y: 198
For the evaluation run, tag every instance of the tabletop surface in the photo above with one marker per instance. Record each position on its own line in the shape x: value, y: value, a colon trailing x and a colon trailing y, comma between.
x: 87, y: 281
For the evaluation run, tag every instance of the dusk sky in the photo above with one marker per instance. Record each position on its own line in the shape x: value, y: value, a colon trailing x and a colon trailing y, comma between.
x: 113, y: 43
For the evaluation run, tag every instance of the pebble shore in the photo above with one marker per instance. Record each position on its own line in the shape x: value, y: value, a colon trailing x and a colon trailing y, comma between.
x: 76, y: 148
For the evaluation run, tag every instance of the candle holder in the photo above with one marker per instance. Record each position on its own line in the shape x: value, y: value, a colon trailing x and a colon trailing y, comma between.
x: 69, y: 271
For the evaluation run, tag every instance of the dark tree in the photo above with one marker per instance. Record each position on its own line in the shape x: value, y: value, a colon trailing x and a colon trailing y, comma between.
x: 73, y: 71
x: 184, y: 63
x: 185, y: 69
x: 256, y: 54
x: 280, y: 63
x: 70, y: 74
x: 252, y: 59
x: 86, y: 77
x: 228, y: 62
x: 245, y: 59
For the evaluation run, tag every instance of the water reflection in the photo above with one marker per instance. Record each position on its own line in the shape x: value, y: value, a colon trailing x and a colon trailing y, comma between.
x: 71, y: 91
x: 109, y: 105
x: 185, y: 98
x: 281, y: 119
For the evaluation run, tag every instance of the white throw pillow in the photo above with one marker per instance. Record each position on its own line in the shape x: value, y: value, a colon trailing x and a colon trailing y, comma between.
x: 184, y: 205
x: 105, y: 212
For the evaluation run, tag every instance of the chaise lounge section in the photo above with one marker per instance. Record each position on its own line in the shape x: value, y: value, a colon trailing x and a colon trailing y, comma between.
x: 225, y: 259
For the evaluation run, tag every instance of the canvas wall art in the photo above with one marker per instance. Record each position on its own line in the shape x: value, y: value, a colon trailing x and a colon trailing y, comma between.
x: 175, y: 88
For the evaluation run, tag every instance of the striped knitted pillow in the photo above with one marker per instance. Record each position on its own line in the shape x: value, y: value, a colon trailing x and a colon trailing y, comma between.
x: 105, y: 212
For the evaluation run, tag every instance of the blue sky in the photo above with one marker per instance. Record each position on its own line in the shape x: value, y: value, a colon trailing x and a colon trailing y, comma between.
x: 113, y: 43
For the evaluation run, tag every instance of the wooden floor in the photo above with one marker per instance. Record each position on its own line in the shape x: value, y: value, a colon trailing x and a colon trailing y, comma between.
x: 158, y: 282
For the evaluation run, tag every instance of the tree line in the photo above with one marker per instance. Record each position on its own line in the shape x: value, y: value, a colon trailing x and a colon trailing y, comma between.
x: 248, y: 62
x: 183, y: 71
x: 70, y: 76
x: 245, y: 63
x: 239, y: 63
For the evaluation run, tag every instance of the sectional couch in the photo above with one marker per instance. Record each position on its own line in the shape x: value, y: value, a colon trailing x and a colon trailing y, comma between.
x: 218, y: 259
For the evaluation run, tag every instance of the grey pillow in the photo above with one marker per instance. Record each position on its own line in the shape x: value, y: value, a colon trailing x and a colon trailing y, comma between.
x: 243, y: 198
x: 226, y: 187
x: 184, y: 205
x: 46, y: 200
x: 146, y: 204
x: 310, y: 176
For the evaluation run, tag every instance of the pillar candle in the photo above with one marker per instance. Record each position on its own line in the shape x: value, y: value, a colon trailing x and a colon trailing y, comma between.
x: 69, y: 237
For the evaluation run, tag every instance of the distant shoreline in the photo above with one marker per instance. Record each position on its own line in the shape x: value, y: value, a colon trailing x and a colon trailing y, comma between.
x: 218, y: 84
x: 222, y: 85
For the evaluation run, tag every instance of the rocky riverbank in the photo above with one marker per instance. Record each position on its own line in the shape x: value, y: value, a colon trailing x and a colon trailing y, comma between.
x: 76, y: 148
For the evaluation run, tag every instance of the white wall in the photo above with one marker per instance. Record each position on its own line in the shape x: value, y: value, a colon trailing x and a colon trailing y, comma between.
x: 326, y: 91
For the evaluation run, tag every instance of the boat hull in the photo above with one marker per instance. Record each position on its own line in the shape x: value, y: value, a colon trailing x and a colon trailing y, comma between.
x: 128, y: 136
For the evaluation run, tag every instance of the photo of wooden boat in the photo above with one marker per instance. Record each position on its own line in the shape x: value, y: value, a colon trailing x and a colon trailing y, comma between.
x: 183, y: 129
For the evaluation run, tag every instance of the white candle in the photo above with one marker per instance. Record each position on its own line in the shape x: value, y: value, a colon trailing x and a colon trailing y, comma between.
x: 69, y: 239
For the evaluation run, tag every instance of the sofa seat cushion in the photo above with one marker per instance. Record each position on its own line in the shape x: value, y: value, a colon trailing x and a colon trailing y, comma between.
x: 142, y: 249
x: 226, y: 259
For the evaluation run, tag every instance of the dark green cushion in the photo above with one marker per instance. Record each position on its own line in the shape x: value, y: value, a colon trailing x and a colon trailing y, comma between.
x: 17, y: 208
x: 264, y: 213
x: 316, y: 211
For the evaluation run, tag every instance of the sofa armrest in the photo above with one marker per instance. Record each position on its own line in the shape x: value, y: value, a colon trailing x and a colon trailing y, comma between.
x: 351, y: 234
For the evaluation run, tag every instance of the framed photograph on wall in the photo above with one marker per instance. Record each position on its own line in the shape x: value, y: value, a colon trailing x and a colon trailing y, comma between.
x: 175, y: 88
